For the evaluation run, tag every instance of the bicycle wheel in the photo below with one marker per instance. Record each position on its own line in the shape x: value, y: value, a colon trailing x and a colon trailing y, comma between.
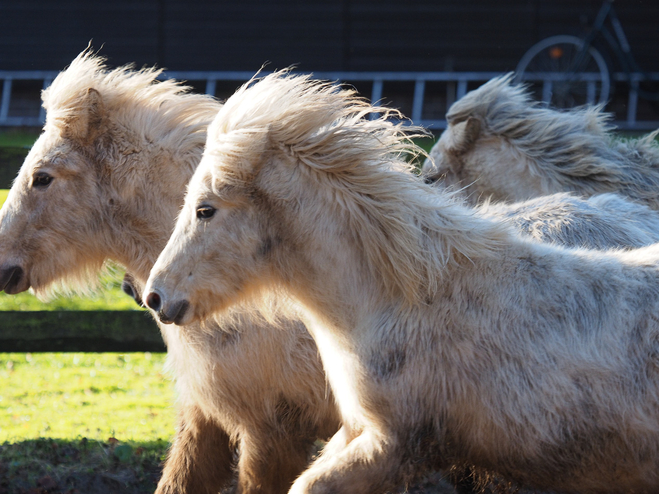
x: 577, y: 76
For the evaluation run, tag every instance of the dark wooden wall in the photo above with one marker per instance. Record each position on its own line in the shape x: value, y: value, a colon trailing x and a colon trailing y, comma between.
x: 426, y: 35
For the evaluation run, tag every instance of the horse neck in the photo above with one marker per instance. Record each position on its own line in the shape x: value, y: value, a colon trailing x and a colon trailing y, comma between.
x: 332, y: 279
x: 346, y: 285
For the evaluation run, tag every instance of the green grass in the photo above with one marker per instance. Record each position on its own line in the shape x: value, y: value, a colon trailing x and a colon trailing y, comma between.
x: 19, y: 137
x: 74, y: 395
x: 75, y: 420
x: 426, y: 143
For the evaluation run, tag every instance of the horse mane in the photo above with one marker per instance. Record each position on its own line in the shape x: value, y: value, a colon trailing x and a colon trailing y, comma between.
x: 139, y: 112
x: 163, y: 111
x: 566, y: 145
x: 408, y: 231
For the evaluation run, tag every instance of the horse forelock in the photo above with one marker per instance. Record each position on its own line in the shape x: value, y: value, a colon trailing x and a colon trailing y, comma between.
x: 409, y: 232
x: 568, y: 145
x: 135, y: 99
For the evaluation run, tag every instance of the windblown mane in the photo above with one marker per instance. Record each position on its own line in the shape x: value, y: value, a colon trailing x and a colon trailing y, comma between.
x: 162, y: 111
x: 566, y: 145
x: 409, y: 232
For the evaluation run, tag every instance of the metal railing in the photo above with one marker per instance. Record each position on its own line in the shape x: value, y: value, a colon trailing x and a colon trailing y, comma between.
x: 8, y: 77
x: 457, y: 84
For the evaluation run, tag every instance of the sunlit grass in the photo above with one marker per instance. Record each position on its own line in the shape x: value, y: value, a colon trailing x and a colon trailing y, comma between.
x: 73, y: 395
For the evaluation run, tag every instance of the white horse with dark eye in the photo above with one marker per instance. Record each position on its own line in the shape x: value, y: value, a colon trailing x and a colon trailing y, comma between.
x: 500, y: 144
x: 446, y: 338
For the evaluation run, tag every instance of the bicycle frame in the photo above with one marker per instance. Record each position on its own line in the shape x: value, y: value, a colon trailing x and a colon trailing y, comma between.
x: 618, y: 43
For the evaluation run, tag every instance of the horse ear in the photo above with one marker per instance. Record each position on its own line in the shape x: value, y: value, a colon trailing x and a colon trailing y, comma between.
x: 464, y: 135
x: 84, y: 123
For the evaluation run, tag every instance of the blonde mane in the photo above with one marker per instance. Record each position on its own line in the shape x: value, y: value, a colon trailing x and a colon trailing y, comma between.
x: 408, y: 231
x: 569, y: 146
x: 159, y: 111
x: 142, y: 117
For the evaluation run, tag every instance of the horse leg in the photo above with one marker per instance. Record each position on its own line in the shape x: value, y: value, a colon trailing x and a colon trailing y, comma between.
x: 269, y: 463
x: 368, y: 463
x: 200, y: 459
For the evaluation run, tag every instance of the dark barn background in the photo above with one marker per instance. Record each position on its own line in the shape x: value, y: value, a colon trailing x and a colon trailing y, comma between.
x: 359, y: 35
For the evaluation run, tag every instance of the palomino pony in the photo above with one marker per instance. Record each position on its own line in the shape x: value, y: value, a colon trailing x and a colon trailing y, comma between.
x: 446, y: 338
x: 105, y: 181
x: 500, y: 144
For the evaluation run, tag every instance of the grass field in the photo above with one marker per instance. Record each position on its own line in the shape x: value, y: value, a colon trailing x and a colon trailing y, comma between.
x: 73, y: 395
x: 83, y: 422
x: 19, y: 137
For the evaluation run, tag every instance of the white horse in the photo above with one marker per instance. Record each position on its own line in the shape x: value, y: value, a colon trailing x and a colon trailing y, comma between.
x: 501, y: 144
x: 105, y: 181
x: 446, y: 338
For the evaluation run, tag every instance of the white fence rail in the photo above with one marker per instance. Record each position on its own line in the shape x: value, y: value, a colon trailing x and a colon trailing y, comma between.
x: 455, y: 85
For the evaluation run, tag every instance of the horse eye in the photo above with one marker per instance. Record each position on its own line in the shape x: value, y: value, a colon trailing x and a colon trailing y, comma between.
x: 205, y: 212
x: 41, y: 180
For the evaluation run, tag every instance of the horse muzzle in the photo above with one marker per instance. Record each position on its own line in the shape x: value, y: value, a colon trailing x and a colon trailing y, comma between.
x: 167, y: 312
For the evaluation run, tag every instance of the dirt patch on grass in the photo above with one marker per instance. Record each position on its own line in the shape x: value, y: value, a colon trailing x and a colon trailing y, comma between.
x: 51, y: 466
x: 54, y: 466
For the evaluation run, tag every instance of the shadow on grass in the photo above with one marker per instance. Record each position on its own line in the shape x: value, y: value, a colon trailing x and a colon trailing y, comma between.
x: 81, y: 466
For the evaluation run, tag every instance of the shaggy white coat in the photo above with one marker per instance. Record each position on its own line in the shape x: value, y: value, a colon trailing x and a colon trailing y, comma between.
x: 121, y: 148
x: 602, y: 222
x: 446, y: 338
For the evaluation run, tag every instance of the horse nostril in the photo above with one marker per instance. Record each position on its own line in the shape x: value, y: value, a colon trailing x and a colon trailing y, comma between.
x: 153, y: 301
x: 10, y: 278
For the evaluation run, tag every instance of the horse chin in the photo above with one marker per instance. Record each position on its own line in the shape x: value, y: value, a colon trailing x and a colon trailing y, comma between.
x: 188, y: 318
x: 19, y: 288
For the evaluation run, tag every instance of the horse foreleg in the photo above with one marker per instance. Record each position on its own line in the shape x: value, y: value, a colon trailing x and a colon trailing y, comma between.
x: 200, y: 459
x: 366, y: 464
x: 270, y: 462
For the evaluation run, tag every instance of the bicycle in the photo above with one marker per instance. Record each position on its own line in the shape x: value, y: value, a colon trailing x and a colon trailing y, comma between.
x: 575, y: 71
